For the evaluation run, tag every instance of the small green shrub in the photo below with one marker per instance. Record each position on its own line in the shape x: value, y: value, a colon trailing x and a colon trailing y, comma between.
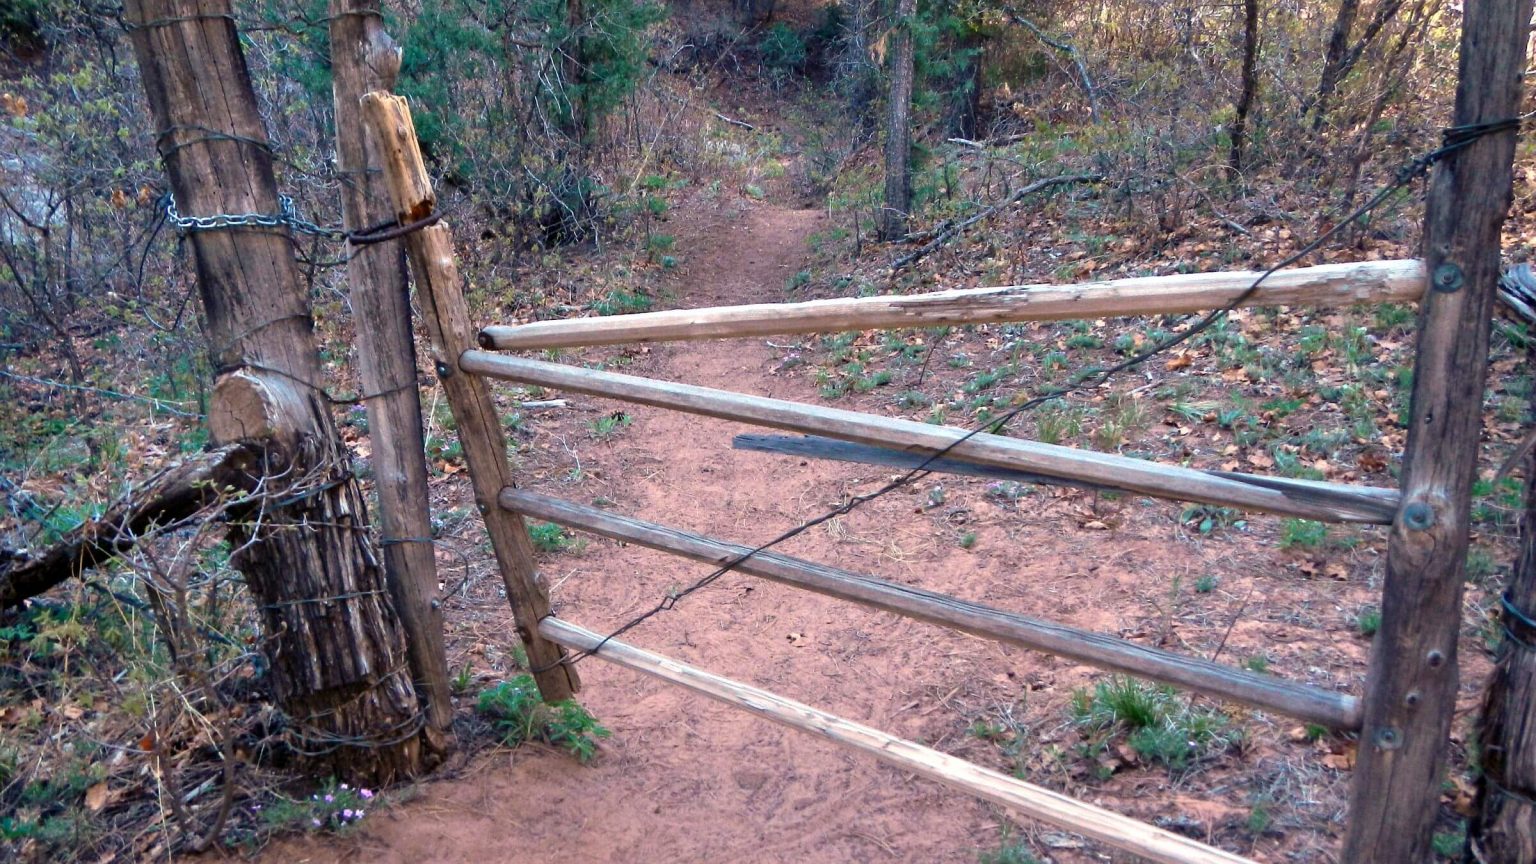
x: 519, y: 714
x: 782, y: 47
x: 622, y: 302
x: 1303, y: 533
x: 1368, y: 621
x: 608, y: 424
x: 1157, y: 724
x: 548, y: 537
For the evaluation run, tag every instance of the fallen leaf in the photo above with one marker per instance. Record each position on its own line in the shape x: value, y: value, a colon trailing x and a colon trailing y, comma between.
x: 96, y: 797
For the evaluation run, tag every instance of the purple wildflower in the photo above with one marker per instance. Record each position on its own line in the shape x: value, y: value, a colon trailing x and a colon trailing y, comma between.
x: 366, y: 793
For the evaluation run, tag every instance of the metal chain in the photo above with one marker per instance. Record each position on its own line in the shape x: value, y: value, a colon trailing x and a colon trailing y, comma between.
x: 288, y: 217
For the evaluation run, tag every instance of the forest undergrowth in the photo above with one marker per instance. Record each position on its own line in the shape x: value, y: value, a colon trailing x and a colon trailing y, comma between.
x: 134, y: 720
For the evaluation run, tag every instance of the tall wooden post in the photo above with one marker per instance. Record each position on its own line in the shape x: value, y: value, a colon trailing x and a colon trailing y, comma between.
x: 438, y: 292
x: 1411, y: 689
x: 335, y: 648
x: 364, y: 58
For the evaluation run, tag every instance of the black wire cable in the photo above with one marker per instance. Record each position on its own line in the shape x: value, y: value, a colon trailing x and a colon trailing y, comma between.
x: 1453, y: 139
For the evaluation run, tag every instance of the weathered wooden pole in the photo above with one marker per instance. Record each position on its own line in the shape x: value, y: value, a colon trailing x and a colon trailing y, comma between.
x: 1503, y: 830
x: 1411, y: 688
x: 335, y: 648
x: 438, y: 292
x: 364, y: 58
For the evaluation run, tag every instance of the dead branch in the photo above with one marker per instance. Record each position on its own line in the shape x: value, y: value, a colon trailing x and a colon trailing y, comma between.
x: 173, y: 493
x: 953, y: 230
x: 1070, y: 51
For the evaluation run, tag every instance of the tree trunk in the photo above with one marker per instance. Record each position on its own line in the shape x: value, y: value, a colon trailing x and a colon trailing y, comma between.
x: 1333, y: 60
x: 1410, y: 693
x: 574, y: 67
x: 364, y: 58
x: 1250, y: 84
x: 1503, y: 830
x: 898, y: 127
x: 337, y: 659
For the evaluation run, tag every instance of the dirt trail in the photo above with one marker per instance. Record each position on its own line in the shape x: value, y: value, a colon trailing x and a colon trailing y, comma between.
x: 684, y: 779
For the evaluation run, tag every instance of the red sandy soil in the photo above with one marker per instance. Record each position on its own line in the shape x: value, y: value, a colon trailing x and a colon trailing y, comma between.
x: 685, y: 779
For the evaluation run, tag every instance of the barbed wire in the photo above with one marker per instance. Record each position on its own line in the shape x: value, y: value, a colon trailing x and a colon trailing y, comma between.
x: 1453, y: 139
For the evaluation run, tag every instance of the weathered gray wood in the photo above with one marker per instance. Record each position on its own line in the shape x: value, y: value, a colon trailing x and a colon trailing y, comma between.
x: 1112, y: 829
x: 1326, y: 285
x: 1503, y: 830
x: 337, y: 657
x: 1411, y: 688
x: 364, y: 58
x: 817, y: 447
x: 440, y: 296
x: 1311, y: 500
x: 1334, y: 710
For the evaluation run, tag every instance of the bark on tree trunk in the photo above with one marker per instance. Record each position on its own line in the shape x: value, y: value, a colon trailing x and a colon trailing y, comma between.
x: 337, y: 658
x: 898, y: 127
x: 1333, y: 60
x: 1250, y: 84
x: 1503, y: 830
x: 363, y: 59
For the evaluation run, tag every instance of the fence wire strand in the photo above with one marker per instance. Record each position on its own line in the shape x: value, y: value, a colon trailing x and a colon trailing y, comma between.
x: 1453, y: 140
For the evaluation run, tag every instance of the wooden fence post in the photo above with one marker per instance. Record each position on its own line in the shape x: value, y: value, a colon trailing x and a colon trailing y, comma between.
x: 337, y: 656
x: 1411, y: 689
x: 364, y: 58
x: 388, y: 117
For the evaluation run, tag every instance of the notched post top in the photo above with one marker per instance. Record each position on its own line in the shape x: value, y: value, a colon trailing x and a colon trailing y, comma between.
x: 389, y: 117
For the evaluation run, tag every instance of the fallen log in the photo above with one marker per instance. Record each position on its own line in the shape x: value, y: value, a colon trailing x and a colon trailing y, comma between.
x: 173, y: 493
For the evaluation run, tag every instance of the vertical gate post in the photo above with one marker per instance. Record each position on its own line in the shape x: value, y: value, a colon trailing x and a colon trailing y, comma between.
x: 1411, y: 688
x: 364, y: 58
x: 388, y: 118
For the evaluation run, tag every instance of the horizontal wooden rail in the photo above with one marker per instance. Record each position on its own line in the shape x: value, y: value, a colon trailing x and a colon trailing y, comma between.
x: 1327, y: 285
x: 1327, y: 502
x: 1035, y: 802
x: 1334, y: 710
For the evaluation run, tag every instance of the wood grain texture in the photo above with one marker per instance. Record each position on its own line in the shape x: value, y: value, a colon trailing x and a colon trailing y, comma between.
x: 1035, y: 802
x: 1326, y: 285
x: 1503, y: 830
x: 1312, y: 500
x: 364, y: 58
x: 1334, y: 710
x: 440, y: 296
x: 1411, y: 687
x: 337, y: 656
